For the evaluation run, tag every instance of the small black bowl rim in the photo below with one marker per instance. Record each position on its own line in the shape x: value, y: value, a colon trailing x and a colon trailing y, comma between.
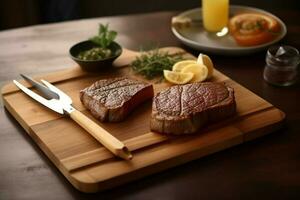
x: 93, y: 61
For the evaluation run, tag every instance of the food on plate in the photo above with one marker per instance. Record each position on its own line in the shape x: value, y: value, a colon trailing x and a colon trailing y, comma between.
x: 184, y: 109
x: 181, y: 22
x: 205, y: 60
x: 178, y: 77
x: 153, y: 63
x: 102, y: 43
x: 249, y: 29
x: 113, y: 99
x: 200, y: 72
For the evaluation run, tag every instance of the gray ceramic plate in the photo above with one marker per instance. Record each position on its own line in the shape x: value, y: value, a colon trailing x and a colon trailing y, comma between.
x: 196, y: 37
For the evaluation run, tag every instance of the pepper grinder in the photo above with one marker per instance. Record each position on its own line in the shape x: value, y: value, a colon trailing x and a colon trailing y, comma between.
x: 281, y: 65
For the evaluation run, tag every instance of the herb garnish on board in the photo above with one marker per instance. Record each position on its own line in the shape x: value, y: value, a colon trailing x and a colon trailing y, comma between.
x: 153, y: 63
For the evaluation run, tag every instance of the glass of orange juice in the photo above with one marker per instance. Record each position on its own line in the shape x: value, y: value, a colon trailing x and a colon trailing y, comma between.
x: 215, y: 14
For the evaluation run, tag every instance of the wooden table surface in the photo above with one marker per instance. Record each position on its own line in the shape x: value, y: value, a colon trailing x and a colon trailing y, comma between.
x: 267, y: 168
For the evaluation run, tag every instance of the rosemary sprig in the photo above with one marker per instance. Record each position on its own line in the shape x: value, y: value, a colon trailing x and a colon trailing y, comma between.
x: 153, y: 63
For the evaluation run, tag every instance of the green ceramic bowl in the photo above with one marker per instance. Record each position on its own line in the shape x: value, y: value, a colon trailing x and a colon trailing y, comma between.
x: 94, y: 65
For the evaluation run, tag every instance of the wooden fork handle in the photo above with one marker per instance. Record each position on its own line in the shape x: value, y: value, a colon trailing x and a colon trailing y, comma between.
x: 105, y: 138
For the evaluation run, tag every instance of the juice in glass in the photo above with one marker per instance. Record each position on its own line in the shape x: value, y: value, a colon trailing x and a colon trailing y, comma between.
x: 215, y: 14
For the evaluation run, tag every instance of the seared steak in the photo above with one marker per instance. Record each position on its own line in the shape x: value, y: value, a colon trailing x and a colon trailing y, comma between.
x: 113, y: 99
x: 183, y: 109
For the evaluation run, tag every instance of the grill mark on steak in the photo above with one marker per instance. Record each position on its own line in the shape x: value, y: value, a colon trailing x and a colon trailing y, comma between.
x: 113, y: 99
x: 180, y: 100
x: 106, y: 94
x: 185, y: 108
x: 106, y: 88
x: 121, y: 94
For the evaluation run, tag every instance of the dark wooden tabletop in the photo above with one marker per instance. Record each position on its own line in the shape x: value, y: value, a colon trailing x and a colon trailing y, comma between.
x: 267, y: 168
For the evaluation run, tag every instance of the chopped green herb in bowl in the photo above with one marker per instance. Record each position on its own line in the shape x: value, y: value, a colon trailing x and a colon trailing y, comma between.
x: 97, y: 52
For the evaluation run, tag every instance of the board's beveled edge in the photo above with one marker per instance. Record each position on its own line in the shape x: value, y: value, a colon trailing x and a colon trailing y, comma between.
x: 181, y: 157
x: 261, y: 131
x: 102, y: 184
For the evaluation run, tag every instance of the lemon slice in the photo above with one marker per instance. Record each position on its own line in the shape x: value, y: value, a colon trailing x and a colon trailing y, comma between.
x: 200, y: 71
x: 178, y: 77
x: 205, y: 60
x: 177, y: 67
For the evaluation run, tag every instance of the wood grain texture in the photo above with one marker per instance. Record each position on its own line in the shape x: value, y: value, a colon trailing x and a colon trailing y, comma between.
x: 90, y: 167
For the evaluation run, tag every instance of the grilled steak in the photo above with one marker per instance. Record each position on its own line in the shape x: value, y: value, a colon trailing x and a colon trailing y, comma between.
x: 113, y: 99
x: 183, y: 109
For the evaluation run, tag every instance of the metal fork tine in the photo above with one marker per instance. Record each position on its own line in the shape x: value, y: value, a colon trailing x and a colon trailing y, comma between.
x: 52, y: 104
x: 43, y: 89
x: 62, y: 96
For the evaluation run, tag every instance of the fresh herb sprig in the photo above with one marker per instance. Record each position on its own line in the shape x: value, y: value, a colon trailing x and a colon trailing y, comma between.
x: 153, y: 63
x: 105, y: 36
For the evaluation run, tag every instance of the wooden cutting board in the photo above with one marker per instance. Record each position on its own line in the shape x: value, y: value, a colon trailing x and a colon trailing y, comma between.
x: 90, y: 167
